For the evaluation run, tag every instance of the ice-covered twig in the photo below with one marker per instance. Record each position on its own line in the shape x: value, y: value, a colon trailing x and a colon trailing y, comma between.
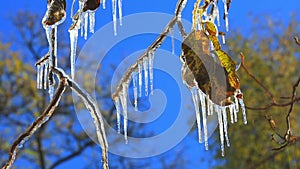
x: 94, y: 110
x: 64, y: 81
x: 156, y: 44
x: 48, y: 112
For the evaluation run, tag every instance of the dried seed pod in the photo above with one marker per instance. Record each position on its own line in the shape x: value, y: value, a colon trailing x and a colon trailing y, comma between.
x: 91, y: 5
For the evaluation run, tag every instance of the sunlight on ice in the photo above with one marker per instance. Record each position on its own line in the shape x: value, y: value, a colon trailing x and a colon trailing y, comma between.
x: 204, y: 117
x: 221, y: 129
x: 224, y: 115
x: 196, y: 105
x: 104, y: 4
x: 38, y: 78
x: 114, y: 13
x: 145, y: 65
x: 118, y: 108
x: 140, y: 78
x: 73, y: 43
x: 120, y: 11
x: 243, y: 110
x: 123, y: 98
x: 45, y: 81
x: 135, y: 90
x: 151, y: 59
x: 92, y: 21
x: 172, y: 39
x: 86, y: 21
x: 226, y: 15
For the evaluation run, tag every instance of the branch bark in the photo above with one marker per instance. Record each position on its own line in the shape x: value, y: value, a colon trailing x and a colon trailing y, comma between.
x: 25, y: 136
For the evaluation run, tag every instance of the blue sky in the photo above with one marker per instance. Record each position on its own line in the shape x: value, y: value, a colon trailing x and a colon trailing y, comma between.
x: 239, y: 19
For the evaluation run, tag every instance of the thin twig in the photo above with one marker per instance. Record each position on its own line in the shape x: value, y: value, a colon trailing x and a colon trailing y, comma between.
x: 156, y: 44
x: 44, y: 59
x: 295, y: 86
x: 269, y: 94
x: 48, y: 112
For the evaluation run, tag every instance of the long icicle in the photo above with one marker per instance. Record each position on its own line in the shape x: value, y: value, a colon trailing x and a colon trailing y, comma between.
x: 151, y: 59
x: 123, y: 98
x: 92, y: 21
x: 120, y: 12
x: 204, y: 117
x: 114, y: 13
x: 224, y: 115
x: 135, y: 90
x: 45, y: 80
x: 38, y: 74
x: 145, y: 65
x: 221, y: 129
x: 118, y: 108
x: 140, y: 78
x: 73, y: 42
x: 196, y: 105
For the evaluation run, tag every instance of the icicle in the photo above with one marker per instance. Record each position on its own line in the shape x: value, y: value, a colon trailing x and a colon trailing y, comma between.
x: 51, y: 91
x: 135, y: 90
x: 172, y: 39
x: 72, y: 8
x: 221, y: 130
x: 212, y: 48
x: 38, y: 79
x: 243, y: 110
x: 73, y: 42
x: 104, y: 4
x: 226, y: 15
x: 150, y: 58
x: 114, y: 13
x: 81, y: 3
x: 223, y: 39
x: 92, y: 21
x: 231, y: 110
x: 216, y: 13
x: 210, y: 108
x: 236, y: 107
x: 145, y: 65
x: 120, y: 12
x: 225, y: 125
x: 196, y: 105
x: 86, y: 21
x: 123, y: 98
x: 140, y: 79
x: 45, y: 81
x: 118, y: 108
x: 204, y: 118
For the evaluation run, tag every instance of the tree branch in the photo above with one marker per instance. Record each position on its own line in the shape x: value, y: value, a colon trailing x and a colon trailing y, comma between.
x: 48, y: 112
x: 70, y: 156
x: 156, y: 44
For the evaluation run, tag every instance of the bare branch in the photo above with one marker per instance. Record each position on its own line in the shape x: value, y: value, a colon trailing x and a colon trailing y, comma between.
x: 297, y: 40
x: 156, y: 44
x: 72, y: 155
x: 269, y: 94
x: 48, y: 112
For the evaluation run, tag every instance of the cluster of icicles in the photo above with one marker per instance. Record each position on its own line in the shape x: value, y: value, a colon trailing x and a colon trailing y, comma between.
x: 208, y: 108
x: 202, y: 102
x: 81, y: 20
x: 144, y: 66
